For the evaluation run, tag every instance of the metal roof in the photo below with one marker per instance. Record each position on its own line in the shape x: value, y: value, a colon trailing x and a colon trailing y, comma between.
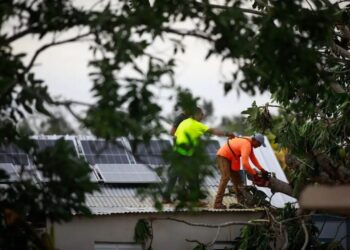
x: 124, y: 200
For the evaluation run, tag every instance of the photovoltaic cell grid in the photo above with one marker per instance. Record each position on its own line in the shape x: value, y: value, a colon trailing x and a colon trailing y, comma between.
x: 102, y: 152
x: 127, y: 173
x: 151, y: 153
x: 10, y: 153
x: 211, y: 148
x: 17, y: 172
x: 47, y: 143
x: 10, y: 170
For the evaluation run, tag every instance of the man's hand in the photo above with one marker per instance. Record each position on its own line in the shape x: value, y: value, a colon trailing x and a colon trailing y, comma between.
x: 230, y: 135
x: 265, y: 174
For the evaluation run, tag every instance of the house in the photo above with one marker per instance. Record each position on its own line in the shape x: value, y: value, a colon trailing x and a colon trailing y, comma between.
x: 117, y: 208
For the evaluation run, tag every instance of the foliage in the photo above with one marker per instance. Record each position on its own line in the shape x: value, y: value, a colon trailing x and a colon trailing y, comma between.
x: 261, y: 237
x: 189, y: 172
x: 237, y: 124
x: 143, y: 232
x: 199, y: 247
x: 296, y: 50
x: 254, y: 237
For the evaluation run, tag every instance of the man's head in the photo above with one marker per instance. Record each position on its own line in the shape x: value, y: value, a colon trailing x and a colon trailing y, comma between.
x: 258, y: 140
x: 198, y: 114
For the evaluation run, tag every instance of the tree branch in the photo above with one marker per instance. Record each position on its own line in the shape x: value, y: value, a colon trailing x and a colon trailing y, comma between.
x: 215, y: 238
x: 306, y: 235
x: 340, y: 51
x: 71, y: 102
x: 226, y: 224
x: 217, y: 6
x: 337, y: 88
x: 46, y: 46
x: 345, y: 31
x: 19, y: 35
x: 187, y: 33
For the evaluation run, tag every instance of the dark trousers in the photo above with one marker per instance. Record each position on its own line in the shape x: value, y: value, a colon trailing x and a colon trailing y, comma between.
x: 183, y: 176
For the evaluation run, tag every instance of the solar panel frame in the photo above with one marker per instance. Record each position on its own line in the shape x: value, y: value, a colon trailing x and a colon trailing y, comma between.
x: 127, y: 173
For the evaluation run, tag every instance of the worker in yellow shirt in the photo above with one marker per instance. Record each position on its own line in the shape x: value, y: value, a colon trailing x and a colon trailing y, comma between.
x: 187, y: 136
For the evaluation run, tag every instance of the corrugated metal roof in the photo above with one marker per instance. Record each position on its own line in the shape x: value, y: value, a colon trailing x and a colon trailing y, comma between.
x: 121, y: 200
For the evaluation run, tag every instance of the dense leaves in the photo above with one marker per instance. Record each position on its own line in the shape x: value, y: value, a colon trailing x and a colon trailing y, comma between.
x: 296, y: 50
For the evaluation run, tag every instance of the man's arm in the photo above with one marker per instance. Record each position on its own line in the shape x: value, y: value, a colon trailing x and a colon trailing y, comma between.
x: 218, y: 132
x: 173, y: 130
x: 256, y: 162
x: 177, y: 121
x: 245, y: 152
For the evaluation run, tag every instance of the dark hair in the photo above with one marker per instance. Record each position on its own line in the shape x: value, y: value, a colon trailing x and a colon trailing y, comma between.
x: 196, y: 111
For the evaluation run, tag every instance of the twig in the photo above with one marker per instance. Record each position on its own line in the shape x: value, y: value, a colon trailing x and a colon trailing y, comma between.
x: 19, y: 35
x: 188, y: 33
x: 250, y: 11
x: 339, y: 50
x: 226, y: 224
x: 285, y: 245
x: 295, y: 218
x: 215, y: 238
x: 71, y: 102
x: 195, y: 241
x: 306, y: 242
x: 309, y: 4
x: 46, y: 46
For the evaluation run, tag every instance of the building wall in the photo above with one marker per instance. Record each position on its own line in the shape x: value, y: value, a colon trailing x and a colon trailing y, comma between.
x: 82, y: 232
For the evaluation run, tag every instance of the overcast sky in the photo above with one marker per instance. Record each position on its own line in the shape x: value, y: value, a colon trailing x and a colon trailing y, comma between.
x: 65, y: 70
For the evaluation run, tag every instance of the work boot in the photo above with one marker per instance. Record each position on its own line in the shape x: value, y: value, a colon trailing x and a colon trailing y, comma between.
x: 220, y: 206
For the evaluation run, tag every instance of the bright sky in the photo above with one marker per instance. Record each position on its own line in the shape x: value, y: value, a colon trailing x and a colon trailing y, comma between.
x: 64, y: 69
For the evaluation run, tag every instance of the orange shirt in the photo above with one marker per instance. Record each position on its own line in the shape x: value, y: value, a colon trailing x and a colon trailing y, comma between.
x: 242, y: 147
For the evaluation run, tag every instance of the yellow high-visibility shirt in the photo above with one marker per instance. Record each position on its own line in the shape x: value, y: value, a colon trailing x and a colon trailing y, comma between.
x: 187, y: 135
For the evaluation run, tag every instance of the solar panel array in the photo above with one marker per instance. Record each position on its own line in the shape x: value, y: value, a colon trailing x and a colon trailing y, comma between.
x: 127, y: 173
x: 10, y: 153
x: 211, y: 148
x: 110, y: 161
x: 151, y: 153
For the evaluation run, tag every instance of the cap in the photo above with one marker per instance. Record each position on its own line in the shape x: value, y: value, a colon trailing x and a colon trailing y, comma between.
x: 260, y: 138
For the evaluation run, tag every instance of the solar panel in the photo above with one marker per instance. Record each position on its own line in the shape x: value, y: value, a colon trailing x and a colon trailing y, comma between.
x: 47, y: 143
x: 211, y: 148
x: 16, y: 172
x: 127, y: 173
x: 10, y: 170
x: 103, y: 152
x: 10, y: 153
x: 151, y: 153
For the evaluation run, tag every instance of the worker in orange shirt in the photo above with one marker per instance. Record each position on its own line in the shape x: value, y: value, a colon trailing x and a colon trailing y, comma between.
x: 228, y: 161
